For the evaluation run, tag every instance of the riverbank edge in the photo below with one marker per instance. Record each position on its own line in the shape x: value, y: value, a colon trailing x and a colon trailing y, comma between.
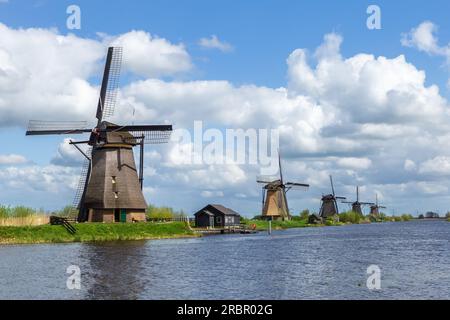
x: 92, y: 233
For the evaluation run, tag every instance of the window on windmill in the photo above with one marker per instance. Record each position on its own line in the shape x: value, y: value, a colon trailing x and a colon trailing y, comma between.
x: 113, y: 179
x: 116, y: 195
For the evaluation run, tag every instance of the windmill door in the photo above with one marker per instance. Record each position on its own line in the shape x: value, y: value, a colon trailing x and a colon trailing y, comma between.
x: 123, y: 215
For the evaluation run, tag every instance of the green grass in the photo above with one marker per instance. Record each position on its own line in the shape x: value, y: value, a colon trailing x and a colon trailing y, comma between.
x: 88, y: 232
x: 263, y: 225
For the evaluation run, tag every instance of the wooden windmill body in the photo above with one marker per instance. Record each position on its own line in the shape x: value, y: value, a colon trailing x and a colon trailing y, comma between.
x: 274, y: 200
x: 375, y: 208
x: 329, y: 205
x: 357, y: 205
x: 110, y: 187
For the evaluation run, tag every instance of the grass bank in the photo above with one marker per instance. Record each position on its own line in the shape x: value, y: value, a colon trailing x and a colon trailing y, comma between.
x: 91, y: 232
x: 277, y: 225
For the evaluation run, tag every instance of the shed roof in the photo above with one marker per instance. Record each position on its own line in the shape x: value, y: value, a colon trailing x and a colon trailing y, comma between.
x: 224, y: 210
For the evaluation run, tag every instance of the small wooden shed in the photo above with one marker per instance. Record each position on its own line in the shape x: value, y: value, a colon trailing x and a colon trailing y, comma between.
x: 216, y: 216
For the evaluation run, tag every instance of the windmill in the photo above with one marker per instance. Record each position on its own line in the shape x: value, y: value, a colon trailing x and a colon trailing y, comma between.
x: 374, y: 208
x: 110, y: 187
x: 274, y: 201
x: 329, y: 206
x: 356, y: 206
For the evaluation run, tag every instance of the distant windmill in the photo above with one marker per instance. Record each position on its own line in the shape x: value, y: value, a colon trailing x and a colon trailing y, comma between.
x: 274, y: 201
x: 110, y: 189
x: 329, y: 205
x: 374, y: 209
x: 356, y: 206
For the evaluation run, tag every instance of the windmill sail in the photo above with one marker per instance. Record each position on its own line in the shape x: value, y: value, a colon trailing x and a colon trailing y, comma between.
x: 38, y: 127
x: 84, y: 178
x: 110, y: 84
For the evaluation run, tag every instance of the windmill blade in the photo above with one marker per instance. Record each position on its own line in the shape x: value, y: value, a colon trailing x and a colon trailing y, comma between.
x: 110, y: 84
x: 297, y: 186
x: 332, y: 186
x: 82, y: 182
x: 263, y: 197
x: 152, y: 134
x: 340, y: 198
x: 266, y: 182
x: 382, y: 207
x: 357, y: 193
x: 37, y: 127
x: 279, y: 166
x: 367, y: 203
x: 349, y: 202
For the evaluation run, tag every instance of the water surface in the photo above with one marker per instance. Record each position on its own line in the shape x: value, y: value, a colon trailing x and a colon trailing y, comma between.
x: 308, y: 263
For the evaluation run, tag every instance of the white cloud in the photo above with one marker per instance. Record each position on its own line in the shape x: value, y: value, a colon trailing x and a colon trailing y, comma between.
x: 213, y: 42
x: 151, y: 56
x: 424, y: 39
x: 68, y: 155
x: 12, y: 159
x: 354, y: 163
x: 409, y: 165
x: 43, y: 73
x: 211, y: 194
x: 439, y: 165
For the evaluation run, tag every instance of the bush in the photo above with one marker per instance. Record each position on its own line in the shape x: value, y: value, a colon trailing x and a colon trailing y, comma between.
x: 406, y: 217
x: 17, y: 212
x: 163, y: 213
x: 349, y: 217
x: 304, y: 214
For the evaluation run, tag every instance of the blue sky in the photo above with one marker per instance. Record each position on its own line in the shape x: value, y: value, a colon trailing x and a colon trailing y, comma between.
x: 262, y: 33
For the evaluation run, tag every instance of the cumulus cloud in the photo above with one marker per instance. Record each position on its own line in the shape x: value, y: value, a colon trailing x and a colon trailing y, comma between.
x: 213, y: 42
x: 12, y: 159
x: 45, y: 75
x: 439, y: 165
x: 151, y: 56
x: 68, y: 155
x: 424, y: 38
x: 354, y: 163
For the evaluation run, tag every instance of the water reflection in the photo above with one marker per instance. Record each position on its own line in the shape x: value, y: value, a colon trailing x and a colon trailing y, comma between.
x: 113, y: 270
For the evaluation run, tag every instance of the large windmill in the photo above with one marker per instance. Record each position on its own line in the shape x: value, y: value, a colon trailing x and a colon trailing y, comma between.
x: 274, y: 201
x: 110, y: 188
x: 374, y: 208
x: 329, y: 206
x: 357, y: 205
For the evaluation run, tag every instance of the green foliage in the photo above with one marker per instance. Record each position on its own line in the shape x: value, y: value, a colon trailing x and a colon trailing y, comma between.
x: 163, y: 213
x: 277, y: 224
x: 17, y: 212
x: 67, y: 212
x: 87, y: 232
x: 406, y: 217
x: 304, y: 214
x: 350, y: 217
